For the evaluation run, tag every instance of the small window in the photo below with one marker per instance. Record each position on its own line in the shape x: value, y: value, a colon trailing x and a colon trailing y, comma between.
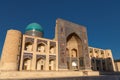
x: 91, y: 51
x: 102, y: 52
x: 96, y: 51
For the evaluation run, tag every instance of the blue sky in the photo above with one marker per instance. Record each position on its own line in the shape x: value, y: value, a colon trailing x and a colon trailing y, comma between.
x: 101, y: 18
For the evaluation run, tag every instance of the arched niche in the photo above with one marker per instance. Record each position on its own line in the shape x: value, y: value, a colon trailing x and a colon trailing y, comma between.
x: 41, y: 47
x: 29, y: 46
x: 26, y: 64
x: 74, y: 53
x: 74, y: 45
x: 40, y: 64
x: 52, y: 50
x: 52, y: 64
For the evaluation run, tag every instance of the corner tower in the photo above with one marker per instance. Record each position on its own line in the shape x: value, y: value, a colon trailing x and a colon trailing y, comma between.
x: 11, y: 50
x: 34, y: 29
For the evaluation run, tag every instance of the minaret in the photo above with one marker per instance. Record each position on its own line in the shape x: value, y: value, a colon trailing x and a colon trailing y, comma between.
x: 34, y: 29
x: 11, y: 50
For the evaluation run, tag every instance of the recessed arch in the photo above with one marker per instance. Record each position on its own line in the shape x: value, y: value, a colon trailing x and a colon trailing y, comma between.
x: 29, y: 46
x: 74, y: 53
x: 52, y: 64
x: 40, y: 64
x: 74, y: 45
x: 26, y: 64
x: 41, y: 47
x: 52, y: 49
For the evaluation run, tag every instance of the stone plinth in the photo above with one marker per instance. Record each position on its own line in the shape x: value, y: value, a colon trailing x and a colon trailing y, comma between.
x: 44, y: 74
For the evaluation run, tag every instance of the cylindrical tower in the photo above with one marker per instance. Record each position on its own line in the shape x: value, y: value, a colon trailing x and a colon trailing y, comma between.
x: 34, y: 29
x: 11, y: 50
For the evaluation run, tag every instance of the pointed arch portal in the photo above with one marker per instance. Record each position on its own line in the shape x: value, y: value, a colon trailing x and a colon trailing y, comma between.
x: 74, y: 46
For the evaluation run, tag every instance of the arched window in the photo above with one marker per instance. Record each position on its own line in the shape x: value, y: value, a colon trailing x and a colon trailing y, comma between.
x: 41, y: 47
x: 26, y: 64
x: 28, y: 46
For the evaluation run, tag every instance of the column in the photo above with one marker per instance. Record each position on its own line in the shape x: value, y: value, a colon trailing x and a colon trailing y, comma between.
x: 56, y: 56
x: 33, y: 66
x: 47, y: 55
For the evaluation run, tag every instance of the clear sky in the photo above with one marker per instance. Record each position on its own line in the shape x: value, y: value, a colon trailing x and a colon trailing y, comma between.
x: 101, y: 18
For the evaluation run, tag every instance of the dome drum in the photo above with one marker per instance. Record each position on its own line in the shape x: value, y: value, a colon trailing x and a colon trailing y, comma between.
x: 34, y: 33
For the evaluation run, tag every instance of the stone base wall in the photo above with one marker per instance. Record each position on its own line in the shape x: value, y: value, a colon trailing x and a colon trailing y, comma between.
x: 44, y: 74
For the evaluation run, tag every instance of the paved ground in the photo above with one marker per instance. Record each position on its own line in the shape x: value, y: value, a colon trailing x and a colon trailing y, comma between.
x: 102, y: 77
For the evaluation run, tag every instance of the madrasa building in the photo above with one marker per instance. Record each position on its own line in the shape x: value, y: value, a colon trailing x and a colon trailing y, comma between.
x: 68, y: 51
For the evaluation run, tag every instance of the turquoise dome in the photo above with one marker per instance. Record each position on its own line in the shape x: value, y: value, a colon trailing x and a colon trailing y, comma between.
x: 34, y: 26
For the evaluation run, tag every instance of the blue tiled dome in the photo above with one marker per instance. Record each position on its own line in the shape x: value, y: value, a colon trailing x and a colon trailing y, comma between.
x: 34, y: 26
